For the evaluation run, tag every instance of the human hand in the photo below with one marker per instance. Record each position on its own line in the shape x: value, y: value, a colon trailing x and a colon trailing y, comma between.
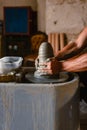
x: 52, y: 66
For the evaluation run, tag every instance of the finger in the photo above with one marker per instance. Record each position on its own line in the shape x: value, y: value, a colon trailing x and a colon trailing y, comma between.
x: 50, y: 59
x: 43, y: 64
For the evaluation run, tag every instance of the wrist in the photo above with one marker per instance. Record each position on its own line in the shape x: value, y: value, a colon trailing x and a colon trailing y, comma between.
x: 64, y: 65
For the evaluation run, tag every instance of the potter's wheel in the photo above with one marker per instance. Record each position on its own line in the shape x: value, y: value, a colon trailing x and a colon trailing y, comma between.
x: 45, y: 53
x: 63, y: 77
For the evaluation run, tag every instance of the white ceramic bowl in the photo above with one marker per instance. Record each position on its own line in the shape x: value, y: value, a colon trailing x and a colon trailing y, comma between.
x: 10, y: 63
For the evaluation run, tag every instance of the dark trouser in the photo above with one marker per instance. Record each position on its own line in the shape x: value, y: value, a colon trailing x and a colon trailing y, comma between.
x: 83, y: 90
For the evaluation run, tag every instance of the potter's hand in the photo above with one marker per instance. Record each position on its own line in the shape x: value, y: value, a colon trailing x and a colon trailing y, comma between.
x: 52, y: 66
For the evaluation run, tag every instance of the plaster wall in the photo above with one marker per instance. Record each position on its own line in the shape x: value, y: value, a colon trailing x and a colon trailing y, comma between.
x: 69, y: 16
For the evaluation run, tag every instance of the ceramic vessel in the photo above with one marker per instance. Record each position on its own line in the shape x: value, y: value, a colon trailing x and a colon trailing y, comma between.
x: 9, y: 64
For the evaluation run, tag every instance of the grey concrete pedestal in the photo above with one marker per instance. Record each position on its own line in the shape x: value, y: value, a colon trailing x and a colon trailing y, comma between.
x: 39, y: 106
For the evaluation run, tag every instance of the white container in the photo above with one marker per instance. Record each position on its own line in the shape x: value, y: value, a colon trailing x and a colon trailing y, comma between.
x: 9, y: 64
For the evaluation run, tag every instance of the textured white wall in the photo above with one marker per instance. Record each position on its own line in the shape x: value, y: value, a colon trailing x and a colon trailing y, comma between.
x: 68, y: 16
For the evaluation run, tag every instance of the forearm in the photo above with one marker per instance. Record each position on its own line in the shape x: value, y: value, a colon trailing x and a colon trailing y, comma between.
x: 73, y: 48
x: 68, y: 51
x: 76, y: 64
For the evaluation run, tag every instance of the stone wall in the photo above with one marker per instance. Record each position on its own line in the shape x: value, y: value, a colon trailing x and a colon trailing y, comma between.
x: 69, y: 16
